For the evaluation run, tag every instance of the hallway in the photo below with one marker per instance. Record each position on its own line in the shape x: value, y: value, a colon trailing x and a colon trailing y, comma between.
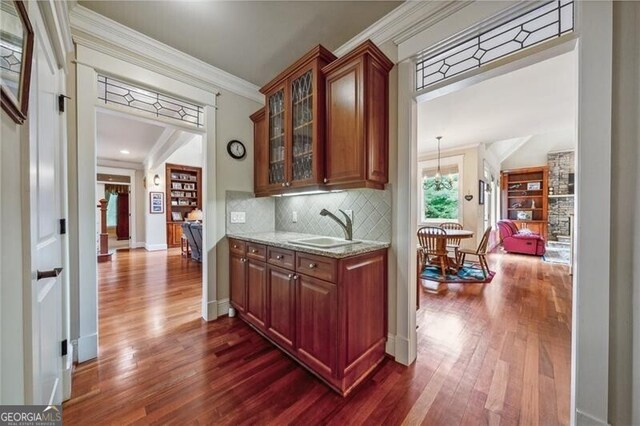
x: 494, y: 354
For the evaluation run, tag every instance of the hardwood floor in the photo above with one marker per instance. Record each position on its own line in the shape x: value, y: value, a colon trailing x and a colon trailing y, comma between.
x: 493, y: 354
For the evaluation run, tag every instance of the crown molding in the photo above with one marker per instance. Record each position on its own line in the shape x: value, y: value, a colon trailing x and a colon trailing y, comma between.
x: 55, y: 15
x: 408, y: 19
x: 100, y: 33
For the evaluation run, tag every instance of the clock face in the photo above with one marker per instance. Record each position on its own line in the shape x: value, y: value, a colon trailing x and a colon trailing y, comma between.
x: 236, y: 149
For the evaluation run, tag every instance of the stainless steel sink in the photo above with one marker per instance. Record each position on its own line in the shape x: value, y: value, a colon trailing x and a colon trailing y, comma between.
x: 323, y: 242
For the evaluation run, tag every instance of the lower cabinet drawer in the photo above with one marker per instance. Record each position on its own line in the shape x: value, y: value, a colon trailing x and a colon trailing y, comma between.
x: 324, y: 268
x: 281, y: 257
x: 257, y: 251
x: 237, y: 246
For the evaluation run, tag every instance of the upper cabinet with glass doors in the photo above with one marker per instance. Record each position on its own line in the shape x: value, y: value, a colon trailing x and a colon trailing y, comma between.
x: 290, y: 151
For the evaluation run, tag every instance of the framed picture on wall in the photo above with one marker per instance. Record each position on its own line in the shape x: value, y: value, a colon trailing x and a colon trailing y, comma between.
x: 156, y: 202
x: 481, y: 190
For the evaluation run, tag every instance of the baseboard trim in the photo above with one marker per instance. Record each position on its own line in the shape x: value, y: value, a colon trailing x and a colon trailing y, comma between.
x: 402, y: 351
x: 155, y: 247
x: 390, y: 346
x: 584, y: 419
x: 67, y: 373
x: 87, y: 347
x: 223, y: 307
x: 139, y: 244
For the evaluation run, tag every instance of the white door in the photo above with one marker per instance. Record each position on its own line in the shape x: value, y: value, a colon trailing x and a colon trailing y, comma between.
x: 46, y: 192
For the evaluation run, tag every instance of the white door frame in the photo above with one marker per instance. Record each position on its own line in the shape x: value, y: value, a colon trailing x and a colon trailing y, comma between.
x: 84, y: 292
x: 590, y: 336
x: 133, y: 241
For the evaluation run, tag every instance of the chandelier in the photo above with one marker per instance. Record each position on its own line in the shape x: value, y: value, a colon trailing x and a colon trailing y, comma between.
x: 440, y: 182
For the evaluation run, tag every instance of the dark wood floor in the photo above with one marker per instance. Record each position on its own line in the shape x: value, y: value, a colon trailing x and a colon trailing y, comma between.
x: 494, y: 354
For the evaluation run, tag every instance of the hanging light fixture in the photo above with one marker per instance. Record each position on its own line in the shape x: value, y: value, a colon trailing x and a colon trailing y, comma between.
x: 440, y: 182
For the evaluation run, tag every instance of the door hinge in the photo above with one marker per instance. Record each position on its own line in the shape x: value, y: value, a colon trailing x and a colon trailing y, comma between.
x: 63, y: 226
x: 63, y: 348
x: 61, y: 98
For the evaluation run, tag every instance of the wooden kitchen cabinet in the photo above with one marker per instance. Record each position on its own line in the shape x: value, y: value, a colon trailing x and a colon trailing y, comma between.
x: 257, y: 292
x: 281, y: 306
x: 316, y: 322
x: 357, y: 121
x: 174, y: 234
x: 290, y: 146
x: 328, y: 314
x: 237, y: 281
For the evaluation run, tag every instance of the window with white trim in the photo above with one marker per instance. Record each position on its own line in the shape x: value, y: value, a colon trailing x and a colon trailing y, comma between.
x: 440, y: 203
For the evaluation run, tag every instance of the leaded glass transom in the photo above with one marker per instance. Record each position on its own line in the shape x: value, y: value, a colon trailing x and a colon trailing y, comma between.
x: 549, y: 21
x: 114, y: 91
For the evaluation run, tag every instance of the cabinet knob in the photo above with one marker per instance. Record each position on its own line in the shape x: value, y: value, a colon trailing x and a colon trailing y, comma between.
x: 254, y: 251
x: 288, y: 183
x: 290, y: 276
x: 325, y: 180
x: 295, y: 277
x: 235, y: 246
x: 279, y: 257
x: 312, y: 265
x: 283, y: 184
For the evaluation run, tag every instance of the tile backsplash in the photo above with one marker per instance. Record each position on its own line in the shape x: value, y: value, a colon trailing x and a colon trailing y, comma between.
x: 371, y: 213
x: 260, y: 212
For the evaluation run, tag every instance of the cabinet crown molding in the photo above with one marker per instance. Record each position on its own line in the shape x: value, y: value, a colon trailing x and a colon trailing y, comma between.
x: 317, y: 52
x: 367, y: 47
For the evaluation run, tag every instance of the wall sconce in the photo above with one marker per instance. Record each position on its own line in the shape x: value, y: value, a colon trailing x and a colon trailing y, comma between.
x: 156, y: 180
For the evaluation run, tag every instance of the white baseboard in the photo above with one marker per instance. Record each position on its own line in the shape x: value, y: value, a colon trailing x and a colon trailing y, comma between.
x: 390, y: 347
x: 217, y: 308
x: 402, y: 351
x: 155, y: 247
x: 223, y: 307
x: 139, y: 244
x: 584, y: 419
x: 87, y: 347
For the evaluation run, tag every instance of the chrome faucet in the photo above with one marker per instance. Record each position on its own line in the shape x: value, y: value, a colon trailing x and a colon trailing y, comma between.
x: 347, y: 228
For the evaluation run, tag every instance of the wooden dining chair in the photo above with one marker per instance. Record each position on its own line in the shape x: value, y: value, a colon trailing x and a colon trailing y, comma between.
x: 481, y: 252
x: 428, y: 237
x: 453, y: 243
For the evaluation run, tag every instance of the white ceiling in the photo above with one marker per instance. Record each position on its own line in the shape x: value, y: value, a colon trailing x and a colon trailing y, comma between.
x: 254, y: 40
x: 117, y: 132
x: 538, y: 99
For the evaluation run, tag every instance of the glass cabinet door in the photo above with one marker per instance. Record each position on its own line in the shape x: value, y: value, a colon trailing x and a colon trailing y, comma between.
x: 277, y: 173
x: 302, y: 121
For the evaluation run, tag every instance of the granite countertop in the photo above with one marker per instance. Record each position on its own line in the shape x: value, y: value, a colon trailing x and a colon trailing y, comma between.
x: 281, y: 239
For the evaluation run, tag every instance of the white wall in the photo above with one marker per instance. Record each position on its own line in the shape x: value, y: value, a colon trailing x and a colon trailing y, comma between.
x: 624, y: 379
x: 236, y: 175
x: 534, y: 151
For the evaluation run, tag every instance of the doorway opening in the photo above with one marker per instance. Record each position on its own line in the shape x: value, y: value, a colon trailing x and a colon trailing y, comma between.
x: 505, y: 165
x: 149, y: 198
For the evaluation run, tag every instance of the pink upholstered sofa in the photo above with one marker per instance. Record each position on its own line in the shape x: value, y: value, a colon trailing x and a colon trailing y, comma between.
x: 523, y: 241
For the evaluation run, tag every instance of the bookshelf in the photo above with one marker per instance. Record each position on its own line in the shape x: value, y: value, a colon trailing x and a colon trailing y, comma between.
x: 525, y: 197
x: 184, y: 193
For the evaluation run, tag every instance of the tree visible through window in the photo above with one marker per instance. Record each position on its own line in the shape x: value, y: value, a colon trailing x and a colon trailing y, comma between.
x: 442, y: 203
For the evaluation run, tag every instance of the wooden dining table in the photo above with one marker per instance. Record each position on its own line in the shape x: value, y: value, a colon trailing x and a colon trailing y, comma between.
x: 450, y: 234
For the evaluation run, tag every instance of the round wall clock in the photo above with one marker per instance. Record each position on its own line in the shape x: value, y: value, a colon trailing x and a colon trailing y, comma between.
x: 236, y: 149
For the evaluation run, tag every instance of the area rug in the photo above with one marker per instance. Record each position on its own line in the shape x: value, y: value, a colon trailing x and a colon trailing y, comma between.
x: 557, y: 253
x: 469, y: 273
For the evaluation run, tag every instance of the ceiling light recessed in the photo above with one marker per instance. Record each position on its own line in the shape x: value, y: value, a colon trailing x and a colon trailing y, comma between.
x: 124, y: 151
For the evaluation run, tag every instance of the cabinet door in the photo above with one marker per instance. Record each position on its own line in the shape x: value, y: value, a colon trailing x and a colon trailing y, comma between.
x: 174, y: 234
x: 256, y: 292
x: 281, y: 305
x: 238, y: 281
x: 316, y: 323
x: 277, y: 175
x: 304, y: 109
x: 345, y: 149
